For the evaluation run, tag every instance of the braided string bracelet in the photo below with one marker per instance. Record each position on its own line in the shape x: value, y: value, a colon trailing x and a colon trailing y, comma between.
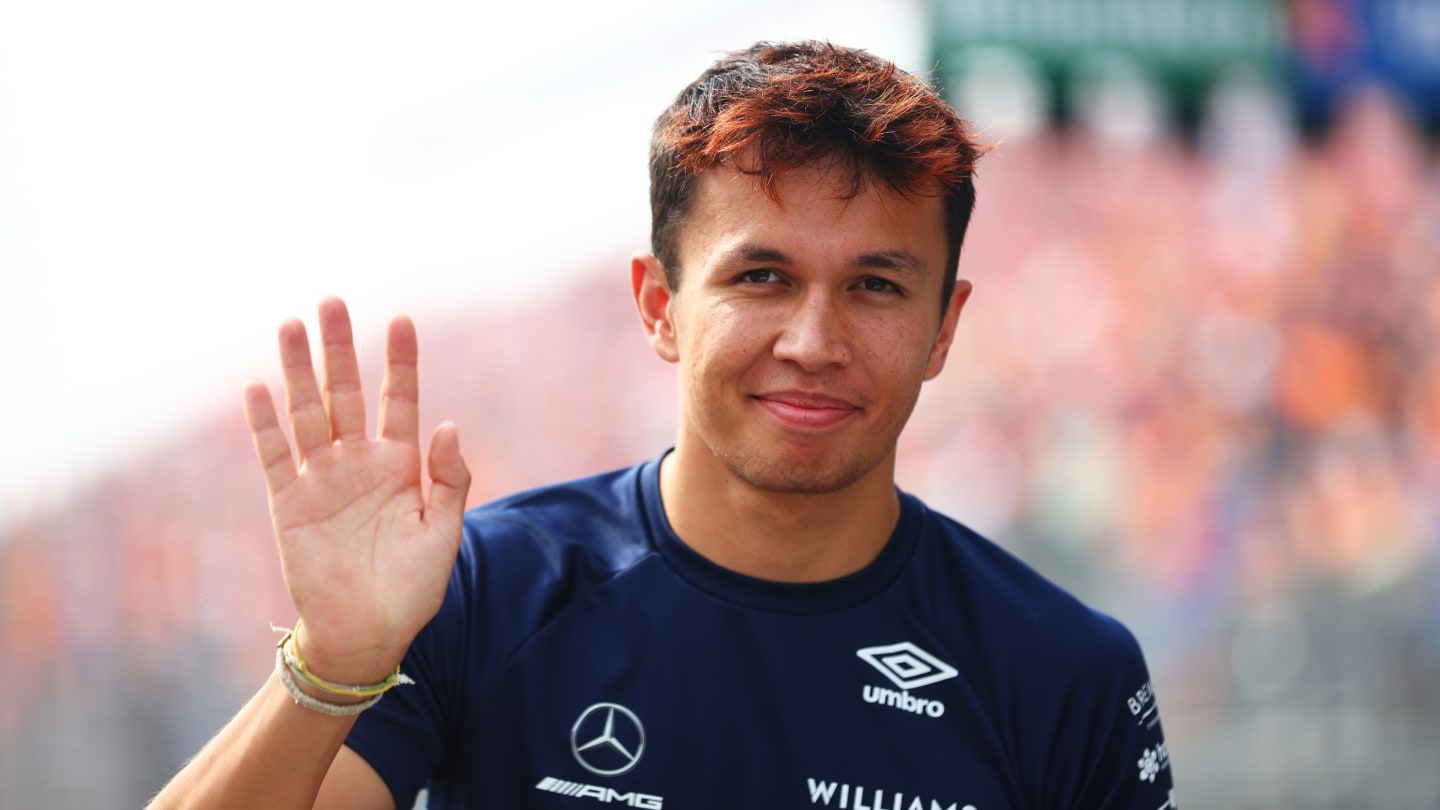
x: 289, y: 667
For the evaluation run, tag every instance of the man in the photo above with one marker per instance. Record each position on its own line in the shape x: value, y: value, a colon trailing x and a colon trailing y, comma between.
x: 756, y: 619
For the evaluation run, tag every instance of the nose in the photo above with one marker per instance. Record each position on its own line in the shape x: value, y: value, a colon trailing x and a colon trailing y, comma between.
x: 814, y: 335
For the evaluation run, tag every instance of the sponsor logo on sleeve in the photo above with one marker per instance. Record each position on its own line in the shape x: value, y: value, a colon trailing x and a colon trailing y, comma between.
x: 1152, y: 761
x: 1142, y: 706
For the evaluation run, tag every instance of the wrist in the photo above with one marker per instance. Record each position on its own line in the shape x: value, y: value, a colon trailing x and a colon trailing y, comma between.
x: 320, y: 694
x: 350, y: 673
x: 317, y: 693
x: 329, y: 705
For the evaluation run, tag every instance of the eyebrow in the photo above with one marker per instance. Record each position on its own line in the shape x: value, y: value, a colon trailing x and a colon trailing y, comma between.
x: 898, y: 261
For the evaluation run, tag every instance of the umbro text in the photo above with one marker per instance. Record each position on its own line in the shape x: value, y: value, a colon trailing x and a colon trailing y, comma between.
x: 903, y: 700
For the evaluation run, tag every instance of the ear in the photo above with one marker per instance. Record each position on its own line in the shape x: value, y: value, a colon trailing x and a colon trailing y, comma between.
x: 652, y: 298
x: 946, y: 335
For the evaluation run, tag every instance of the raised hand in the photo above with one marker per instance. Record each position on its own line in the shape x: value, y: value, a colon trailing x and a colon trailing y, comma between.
x: 365, y: 553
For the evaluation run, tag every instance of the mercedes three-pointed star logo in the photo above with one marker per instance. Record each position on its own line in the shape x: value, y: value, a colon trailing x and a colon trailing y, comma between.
x: 607, y: 739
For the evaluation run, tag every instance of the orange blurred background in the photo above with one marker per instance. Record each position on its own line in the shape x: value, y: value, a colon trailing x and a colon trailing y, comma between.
x: 1198, y: 384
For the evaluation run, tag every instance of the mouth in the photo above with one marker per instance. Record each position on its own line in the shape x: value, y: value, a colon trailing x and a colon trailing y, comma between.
x: 804, y: 411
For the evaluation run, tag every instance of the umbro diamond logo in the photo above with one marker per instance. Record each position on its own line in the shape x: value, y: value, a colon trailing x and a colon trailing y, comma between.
x: 906, y: 665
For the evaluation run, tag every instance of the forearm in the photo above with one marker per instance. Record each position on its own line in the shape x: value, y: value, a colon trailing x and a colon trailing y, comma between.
x: 273, y: 754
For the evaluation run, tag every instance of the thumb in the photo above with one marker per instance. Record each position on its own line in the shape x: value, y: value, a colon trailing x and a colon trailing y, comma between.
x: 449, y: 477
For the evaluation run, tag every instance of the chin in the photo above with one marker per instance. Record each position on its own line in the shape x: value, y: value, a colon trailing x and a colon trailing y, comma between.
x: 788, y: 475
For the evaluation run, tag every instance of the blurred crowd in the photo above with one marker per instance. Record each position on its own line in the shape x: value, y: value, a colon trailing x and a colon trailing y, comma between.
x: 1201, y: 385
x: 1198, y: 383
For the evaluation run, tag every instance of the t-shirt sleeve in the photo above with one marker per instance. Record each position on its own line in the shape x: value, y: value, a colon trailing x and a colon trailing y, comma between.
x: 1111, y: 753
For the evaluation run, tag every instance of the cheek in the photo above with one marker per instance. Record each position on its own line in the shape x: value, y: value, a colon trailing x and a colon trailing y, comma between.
x: 721, y: 339
x: 897, y: 354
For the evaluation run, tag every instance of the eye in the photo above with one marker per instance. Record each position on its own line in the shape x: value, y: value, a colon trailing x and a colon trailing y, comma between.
x: 761, y: 276
x: 876, y: 284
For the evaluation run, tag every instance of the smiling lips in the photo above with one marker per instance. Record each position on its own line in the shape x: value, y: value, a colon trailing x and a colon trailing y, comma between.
x: 806, y: 411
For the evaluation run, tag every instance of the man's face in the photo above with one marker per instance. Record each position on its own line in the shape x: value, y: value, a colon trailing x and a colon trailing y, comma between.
x: 802, y: 330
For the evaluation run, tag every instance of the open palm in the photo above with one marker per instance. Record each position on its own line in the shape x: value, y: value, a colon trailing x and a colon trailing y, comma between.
x: 366, y: 555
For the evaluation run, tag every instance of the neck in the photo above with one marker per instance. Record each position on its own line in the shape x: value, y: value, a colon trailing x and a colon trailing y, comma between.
x: 777, y: 536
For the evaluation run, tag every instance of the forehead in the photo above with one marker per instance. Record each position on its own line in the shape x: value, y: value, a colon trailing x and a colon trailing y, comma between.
x: 818, y: 212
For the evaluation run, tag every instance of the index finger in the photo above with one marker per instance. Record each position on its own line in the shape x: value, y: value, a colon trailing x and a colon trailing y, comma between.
x: 400, y: 391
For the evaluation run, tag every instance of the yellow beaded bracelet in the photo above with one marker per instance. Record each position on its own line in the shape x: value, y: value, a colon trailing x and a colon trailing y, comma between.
x: 291, y: 656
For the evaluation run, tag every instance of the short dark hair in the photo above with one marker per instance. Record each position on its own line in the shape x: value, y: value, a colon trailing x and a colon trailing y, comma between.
x: 787, y: 105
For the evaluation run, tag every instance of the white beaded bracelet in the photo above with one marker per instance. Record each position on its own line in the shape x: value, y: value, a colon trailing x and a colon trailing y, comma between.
x: 314, y: 704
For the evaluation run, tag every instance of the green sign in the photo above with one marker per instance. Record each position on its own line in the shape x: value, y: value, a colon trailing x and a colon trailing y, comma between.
x: 1182, y: 45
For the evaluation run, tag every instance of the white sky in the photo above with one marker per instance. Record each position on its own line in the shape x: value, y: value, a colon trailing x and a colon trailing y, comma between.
x: 177, y: 177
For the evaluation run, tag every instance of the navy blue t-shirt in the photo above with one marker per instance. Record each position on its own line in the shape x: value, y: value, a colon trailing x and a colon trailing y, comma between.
x: 585, y: 657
